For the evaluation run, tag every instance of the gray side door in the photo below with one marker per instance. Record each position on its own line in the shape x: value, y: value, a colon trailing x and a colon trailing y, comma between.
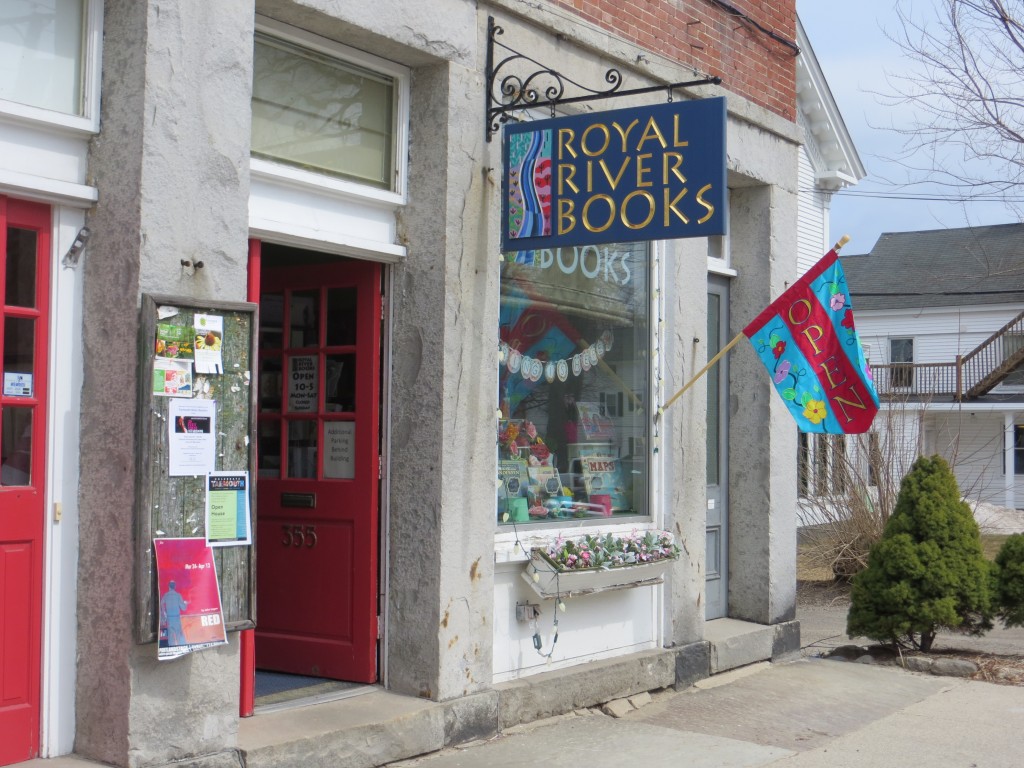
x: 717, y: 598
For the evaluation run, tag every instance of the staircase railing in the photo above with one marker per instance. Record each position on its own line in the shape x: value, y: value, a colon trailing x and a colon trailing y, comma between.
x: 972, y: 375
x: 918, y: 379
x: 990, y: 362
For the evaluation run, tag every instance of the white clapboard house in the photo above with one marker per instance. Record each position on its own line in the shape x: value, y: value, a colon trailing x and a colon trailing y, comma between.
x: 941, y: 316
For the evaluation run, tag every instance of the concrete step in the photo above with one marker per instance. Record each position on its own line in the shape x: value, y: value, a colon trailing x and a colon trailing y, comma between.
x: 737, y: 643
x: 359, y: 732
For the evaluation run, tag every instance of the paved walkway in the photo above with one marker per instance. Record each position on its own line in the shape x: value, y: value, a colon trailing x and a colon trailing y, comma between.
x: 808, y: 713
x: 811, y: 713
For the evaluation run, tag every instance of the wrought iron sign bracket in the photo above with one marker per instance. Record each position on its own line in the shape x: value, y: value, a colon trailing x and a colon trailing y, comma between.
x: 509, y: 91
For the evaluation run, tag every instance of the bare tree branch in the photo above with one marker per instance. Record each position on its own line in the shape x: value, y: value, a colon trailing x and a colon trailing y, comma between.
x: 966, y: 84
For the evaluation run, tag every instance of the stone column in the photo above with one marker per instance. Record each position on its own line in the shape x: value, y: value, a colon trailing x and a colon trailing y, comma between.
x: 762, y: 434
x: 683, y: 433
x: 443, y: 396
x: 171, y: 166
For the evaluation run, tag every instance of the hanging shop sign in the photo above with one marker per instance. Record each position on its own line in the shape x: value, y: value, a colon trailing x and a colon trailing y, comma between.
x: 627, y: 175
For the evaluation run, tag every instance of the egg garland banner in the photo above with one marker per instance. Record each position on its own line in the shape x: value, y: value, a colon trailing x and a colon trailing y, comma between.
x: 532, y: 369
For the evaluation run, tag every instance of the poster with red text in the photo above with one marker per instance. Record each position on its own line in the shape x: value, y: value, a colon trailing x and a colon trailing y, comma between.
x: 189, y: 606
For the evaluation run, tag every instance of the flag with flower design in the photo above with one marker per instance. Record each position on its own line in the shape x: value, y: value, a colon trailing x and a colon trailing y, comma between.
x: 807, y: 340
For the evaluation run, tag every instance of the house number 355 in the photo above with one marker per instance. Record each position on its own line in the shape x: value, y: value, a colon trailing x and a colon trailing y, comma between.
x: 299, y: 536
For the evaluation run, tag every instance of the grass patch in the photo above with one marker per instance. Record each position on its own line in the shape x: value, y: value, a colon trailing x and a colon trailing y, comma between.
x: 808, y: 559
x: 991, y: 544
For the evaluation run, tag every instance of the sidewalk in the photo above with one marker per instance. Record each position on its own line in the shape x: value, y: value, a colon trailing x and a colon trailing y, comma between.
x: 810, y: 713
x: 803, y: 714
x: 806, y: 713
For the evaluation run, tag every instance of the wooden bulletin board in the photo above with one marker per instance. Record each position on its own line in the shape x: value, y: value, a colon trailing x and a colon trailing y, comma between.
x: 175, y: 506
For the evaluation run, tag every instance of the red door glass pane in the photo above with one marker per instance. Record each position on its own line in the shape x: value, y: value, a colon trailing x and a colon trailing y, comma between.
x: 341, y: 317
x: 340, y: 384
x: 19, y: 345
x: 20, y: 271
x: 15, y: 446
x: 304, y: 319
x: 302, y: 453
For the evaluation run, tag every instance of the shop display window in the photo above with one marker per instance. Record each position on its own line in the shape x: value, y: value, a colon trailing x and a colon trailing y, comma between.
x: 574, y: 383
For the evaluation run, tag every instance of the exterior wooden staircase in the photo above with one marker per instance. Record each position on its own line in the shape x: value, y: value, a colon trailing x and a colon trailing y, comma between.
x: 991, y: 362
x: 971, y: 376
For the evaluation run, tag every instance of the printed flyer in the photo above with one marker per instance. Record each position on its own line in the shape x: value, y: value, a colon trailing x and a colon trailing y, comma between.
x: 191, y: 617
x: 172, y: 366
x: 191, y: 438
x: 209, y: 336
x: 227, y: 509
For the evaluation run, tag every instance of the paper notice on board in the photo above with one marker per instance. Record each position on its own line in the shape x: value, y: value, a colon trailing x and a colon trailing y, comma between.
x: 209, y: 337
x: 191, y: 617
x: 191, y: 439
x: 172, y: 378
x: 227, y: 509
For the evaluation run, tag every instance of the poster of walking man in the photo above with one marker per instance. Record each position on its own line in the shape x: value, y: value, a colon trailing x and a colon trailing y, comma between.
x: 191, y: 618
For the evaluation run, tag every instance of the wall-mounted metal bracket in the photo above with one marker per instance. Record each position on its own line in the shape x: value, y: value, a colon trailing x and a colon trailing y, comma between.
x: 526, y: 612
x: 511, y: 87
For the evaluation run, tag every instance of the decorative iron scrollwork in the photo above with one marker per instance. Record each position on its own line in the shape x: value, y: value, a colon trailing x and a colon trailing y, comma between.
x: 509, y: 89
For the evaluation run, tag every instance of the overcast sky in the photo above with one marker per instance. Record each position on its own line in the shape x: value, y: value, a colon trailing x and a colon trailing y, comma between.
x: 854, y: 53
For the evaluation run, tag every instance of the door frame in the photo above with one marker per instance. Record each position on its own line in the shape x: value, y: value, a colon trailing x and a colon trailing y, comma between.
x: 247, y: 638
x: 38, y: 217
x: 719, y: 286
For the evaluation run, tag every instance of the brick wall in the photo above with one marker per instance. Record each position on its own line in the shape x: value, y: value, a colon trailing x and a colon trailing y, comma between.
x: 701, y: 34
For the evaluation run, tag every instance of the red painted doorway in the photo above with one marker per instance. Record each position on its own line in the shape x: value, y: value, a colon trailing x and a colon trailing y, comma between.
x: 317, y: 518
x: 24, y: 308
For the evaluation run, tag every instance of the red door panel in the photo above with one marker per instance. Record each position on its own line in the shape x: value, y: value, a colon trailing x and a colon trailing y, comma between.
x: 24, y: 292
x: 317, y: 511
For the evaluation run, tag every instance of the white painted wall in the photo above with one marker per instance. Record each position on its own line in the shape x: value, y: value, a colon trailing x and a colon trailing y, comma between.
x: 939, y: 333
x: 812, y: 214
x: 60, y: 627
x: 972, y: 441
x: 628, y: 620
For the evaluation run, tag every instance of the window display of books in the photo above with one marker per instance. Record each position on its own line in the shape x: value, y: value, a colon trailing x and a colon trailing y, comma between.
x: 604, y: 482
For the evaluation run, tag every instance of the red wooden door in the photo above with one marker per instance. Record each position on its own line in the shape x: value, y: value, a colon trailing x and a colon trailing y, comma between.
x: 317, y: 509
x: 24, y: 292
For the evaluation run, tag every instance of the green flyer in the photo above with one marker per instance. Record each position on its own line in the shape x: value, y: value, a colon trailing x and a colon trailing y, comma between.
x: 227, y: 509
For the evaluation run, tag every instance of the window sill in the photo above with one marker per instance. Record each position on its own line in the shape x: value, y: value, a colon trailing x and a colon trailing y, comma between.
x: 57, y: 122
x: 307, y: 180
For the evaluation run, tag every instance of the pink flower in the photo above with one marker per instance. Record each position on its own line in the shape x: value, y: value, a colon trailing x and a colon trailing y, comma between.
x: 782, y: 371
x: 838, y: 301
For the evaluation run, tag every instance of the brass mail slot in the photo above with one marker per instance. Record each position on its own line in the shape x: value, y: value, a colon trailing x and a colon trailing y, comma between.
x: 301, y: 500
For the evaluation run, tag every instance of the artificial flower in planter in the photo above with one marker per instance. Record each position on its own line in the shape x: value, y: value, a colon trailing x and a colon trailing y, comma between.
x: 610, y: 551
x: 598, y: 563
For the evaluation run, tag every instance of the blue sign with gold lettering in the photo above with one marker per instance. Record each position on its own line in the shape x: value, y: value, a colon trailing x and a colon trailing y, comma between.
x: 643, y: 173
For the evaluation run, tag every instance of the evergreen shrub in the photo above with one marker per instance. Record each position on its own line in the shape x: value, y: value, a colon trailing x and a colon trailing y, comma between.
x: 928, y: 572
x: 1010, y: 581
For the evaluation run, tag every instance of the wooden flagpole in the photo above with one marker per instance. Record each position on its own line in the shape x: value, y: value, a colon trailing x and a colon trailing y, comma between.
x: 721, y: 353
x: 724, y: 350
